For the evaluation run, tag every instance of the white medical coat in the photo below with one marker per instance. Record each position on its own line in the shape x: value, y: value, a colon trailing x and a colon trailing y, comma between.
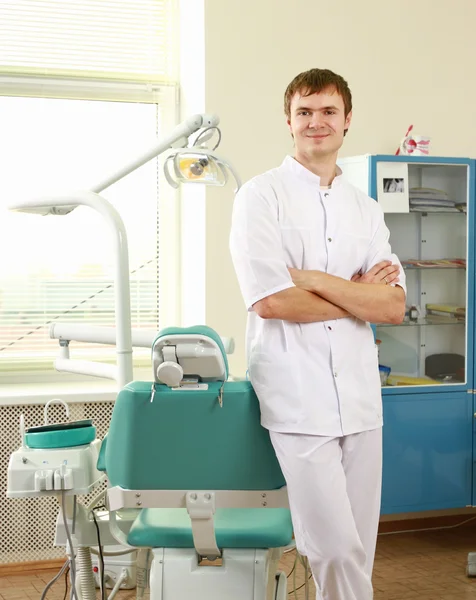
x: 314, y: 378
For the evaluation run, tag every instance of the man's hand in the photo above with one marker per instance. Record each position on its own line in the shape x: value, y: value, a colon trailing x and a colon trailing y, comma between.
x: 305, y: 280
x: 383, y: 272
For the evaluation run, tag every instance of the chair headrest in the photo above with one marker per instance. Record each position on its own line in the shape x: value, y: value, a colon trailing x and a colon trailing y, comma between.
x: 191, y: 352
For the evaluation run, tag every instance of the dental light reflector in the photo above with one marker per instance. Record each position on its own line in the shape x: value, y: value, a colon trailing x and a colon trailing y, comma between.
x: 197, y: 165
x: 190, y: 166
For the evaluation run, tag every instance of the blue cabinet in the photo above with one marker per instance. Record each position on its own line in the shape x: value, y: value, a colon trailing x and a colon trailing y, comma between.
x: 427, y: 450
x: 429, y: 429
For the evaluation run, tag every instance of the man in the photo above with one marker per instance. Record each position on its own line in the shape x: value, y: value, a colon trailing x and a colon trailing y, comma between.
x: 314, y: 264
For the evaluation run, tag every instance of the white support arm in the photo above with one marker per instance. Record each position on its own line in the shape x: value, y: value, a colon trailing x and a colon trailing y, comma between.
x: 121, y: 257
x: 116, y: 531
x: 121, y: 498
x: 95, y: 334
x: 177, y: 138
x: 201, y: 508
x: 87, y: 367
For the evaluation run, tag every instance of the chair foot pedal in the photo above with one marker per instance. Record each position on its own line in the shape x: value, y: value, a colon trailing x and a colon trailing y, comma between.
x: 471, y: 566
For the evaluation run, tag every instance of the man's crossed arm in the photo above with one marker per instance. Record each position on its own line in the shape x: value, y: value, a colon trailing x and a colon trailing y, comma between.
x: 322, y: 297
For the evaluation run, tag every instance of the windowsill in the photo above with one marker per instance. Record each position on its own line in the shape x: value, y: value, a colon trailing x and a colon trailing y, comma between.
x: 39, y: 393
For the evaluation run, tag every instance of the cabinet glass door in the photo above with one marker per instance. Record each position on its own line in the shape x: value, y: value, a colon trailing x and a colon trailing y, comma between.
x: 431, y: 241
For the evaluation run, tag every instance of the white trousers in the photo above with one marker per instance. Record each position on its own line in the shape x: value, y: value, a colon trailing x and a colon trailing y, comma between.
x: 334, y: 488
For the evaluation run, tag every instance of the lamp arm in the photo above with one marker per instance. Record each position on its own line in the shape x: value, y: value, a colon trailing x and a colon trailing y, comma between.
x: 178, y: 137
x: 121, y: 264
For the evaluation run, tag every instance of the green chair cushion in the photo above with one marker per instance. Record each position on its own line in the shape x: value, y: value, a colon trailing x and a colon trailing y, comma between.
x: 234, y: 528
x: 61, y: 438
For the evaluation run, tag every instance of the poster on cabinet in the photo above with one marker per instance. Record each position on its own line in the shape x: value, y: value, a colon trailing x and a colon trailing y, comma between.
x: 392, y: 187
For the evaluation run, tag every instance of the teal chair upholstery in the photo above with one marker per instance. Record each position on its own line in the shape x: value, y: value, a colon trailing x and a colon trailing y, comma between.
x: 165, y: 439
x: 234, y: 528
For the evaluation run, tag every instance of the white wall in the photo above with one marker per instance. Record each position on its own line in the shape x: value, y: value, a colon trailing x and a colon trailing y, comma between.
x: 411, y: 61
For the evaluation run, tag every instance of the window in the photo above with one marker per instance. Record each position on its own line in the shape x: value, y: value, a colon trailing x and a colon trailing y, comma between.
x: 96, y: 110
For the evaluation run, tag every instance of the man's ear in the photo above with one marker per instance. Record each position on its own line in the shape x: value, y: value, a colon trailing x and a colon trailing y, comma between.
x: 348, y: 119
x: 288, y: 123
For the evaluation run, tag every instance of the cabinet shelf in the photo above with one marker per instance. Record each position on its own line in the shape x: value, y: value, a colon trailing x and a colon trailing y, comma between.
x: 433, y: 268
x: 426, y: 322
x: 425, y: 213
x: 434, y: 264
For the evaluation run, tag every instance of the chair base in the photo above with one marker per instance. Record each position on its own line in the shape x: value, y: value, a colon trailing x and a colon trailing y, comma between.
x: 245, y: 574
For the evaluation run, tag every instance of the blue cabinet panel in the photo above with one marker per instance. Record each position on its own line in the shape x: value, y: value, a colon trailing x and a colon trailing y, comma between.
x: 474, y: 452
x: 427, y: 452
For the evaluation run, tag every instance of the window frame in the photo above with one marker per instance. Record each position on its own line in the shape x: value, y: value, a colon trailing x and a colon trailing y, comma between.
x: 167, y: 95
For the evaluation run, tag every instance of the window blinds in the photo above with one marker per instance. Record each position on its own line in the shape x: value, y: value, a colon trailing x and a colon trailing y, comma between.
x: 122, y: 40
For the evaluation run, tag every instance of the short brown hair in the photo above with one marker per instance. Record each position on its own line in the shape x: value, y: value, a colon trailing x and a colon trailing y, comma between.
x: 315, y: 81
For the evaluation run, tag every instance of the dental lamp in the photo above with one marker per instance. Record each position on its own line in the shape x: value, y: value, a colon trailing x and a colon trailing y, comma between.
x: 199, y: 164
x: 192, y: 162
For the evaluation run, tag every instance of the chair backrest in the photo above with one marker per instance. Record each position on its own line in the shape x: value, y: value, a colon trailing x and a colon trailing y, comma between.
x: 199, y: 350
x: 183, y: 439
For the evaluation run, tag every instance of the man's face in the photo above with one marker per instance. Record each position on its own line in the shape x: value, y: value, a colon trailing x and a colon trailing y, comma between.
x: 318, y: 122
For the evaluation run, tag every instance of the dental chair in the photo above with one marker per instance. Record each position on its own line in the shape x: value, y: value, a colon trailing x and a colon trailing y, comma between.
x: 188, y: 453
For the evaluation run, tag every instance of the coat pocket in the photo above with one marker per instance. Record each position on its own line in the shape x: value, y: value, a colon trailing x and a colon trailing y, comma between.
x: 276, y: 381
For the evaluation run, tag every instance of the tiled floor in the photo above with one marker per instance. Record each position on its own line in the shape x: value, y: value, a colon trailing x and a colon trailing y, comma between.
x: 409, y: 566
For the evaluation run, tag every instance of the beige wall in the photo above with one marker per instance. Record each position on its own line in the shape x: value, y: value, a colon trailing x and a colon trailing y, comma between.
x: 411, y: 61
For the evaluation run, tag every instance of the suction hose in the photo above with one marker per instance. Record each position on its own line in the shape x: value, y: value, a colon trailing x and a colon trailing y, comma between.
x: 85, y: 566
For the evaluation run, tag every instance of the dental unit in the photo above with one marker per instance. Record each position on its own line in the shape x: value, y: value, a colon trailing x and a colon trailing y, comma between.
x: 193, y: 484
